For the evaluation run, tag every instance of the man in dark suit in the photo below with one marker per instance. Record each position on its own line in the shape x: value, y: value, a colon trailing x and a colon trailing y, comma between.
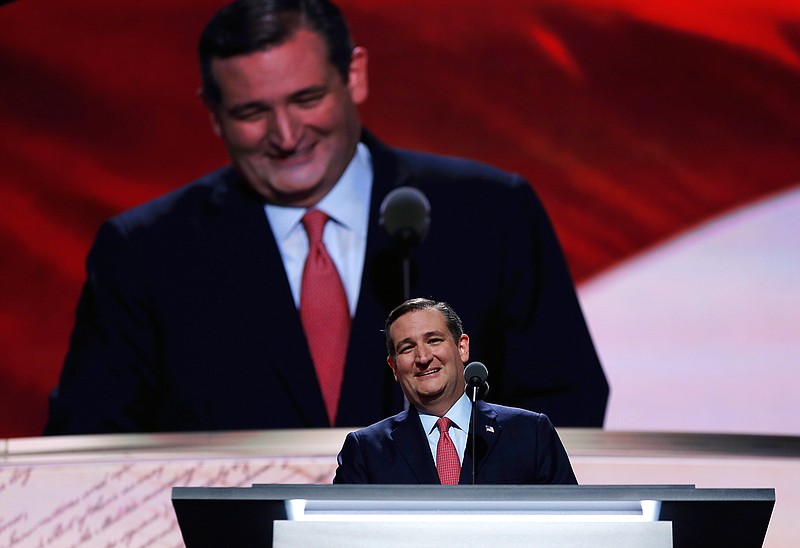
x: 191, y: 316
x: 427, y: 350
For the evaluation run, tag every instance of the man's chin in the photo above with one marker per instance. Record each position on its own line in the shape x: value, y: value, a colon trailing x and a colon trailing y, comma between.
x: 431, y: 396
x: 295, y: 192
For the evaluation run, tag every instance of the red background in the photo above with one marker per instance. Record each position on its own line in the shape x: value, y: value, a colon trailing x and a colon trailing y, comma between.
x: 633, y: 120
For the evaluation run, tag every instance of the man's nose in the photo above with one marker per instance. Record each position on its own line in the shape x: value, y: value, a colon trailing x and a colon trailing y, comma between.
x: 423, y: 355
x: 284, y: 129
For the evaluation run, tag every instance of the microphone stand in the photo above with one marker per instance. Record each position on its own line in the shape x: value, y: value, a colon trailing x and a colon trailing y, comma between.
x: 406, y: 240
x: 474, y: 399
x: 475, y: 375
x: 406, y: 250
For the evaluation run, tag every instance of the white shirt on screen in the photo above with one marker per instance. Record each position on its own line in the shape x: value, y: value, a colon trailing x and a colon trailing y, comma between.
x: 345, y: 235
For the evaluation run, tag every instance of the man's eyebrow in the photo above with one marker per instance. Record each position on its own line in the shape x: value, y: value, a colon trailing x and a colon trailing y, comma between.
x: 246, y: 106
x: 310, y: 90
x: 426, y: 335
x: 317, y: 89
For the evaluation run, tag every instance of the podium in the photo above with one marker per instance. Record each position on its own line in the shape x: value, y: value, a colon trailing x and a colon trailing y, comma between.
x: 472, y: 515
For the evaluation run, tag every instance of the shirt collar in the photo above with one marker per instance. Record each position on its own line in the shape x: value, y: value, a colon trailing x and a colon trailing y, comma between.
x: 347, y: 203
x: 459, y: 414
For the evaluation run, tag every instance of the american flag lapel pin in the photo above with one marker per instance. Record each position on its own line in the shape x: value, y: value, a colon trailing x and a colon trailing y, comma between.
x: 490, y: 429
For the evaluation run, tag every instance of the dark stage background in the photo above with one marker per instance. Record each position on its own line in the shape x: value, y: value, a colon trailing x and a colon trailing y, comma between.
x: 635, y: 121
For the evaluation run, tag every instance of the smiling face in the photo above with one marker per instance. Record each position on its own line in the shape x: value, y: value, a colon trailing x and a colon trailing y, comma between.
x: 288, y: 118
x: 428, y: 363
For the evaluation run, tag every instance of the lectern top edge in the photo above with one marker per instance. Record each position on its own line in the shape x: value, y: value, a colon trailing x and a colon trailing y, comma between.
x: 474, y: 492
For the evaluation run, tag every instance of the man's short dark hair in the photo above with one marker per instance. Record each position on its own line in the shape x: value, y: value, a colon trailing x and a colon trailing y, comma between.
x: 451, y: 319
x: 247, y: 26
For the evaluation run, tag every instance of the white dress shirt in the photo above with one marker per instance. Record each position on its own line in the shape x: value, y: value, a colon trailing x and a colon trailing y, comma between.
x: 459, y: 416
x: 345, y: 235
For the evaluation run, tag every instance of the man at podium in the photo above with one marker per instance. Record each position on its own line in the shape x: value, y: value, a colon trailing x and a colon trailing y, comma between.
x: 432, y: 441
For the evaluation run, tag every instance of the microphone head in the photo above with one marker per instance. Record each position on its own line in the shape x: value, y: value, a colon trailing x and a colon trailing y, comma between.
x: 475, y: 373
x: 406, y: 215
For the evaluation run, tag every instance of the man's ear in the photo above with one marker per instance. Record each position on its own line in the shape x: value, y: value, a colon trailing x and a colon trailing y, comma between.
x: 357, y: 81
x: 213, y: 113
x: 463, y: 348
x: 393, y: 365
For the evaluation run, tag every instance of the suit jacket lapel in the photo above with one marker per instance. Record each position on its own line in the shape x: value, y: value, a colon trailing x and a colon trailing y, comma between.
x: 246, y: 239
x: 487, y: 432
x: 412, y: 443
x: 369, y: 392
x: 383, y: 281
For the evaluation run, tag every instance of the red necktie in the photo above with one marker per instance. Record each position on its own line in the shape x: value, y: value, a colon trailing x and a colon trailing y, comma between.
x: 447, y: 463
x: 324, y: 313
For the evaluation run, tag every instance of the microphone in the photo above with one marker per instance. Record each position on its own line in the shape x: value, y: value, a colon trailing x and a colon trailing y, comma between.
x: 405, y: 214
x: 475, y: 375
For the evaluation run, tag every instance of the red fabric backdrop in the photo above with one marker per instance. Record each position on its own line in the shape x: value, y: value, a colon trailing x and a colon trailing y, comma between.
x: 633, y: 120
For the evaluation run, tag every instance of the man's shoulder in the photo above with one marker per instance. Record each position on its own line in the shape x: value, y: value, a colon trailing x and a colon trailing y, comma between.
x: 186, y: 204
x: 443, y: 169
x: 438, y: 170
x: 504, y: 412
x: 383, y: 428
x: 172, y: 222
x: 187, y: 195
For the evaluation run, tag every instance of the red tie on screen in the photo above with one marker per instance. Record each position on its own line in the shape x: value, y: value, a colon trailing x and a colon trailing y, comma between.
x: 324, y: 313
x: 446, y: 457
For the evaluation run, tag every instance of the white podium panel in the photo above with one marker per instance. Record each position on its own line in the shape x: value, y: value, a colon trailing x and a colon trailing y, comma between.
x: 360, y: 534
